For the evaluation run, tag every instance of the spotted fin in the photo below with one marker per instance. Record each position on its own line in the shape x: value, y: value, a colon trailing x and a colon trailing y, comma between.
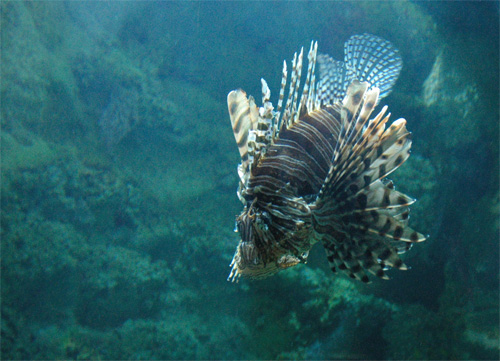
x: 367, y: 58
x: 360, y: 217
x: 255, y: 129
x: 298, y: 102
x: 244, y: 117
x: 374, y: 60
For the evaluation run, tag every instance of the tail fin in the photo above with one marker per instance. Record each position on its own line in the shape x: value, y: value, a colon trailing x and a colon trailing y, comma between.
x: 367, y: 58
x: 374, y: 60
x: 360, y: 217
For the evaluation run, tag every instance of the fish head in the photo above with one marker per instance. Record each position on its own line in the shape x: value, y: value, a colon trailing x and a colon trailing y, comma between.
x: 257, y: 255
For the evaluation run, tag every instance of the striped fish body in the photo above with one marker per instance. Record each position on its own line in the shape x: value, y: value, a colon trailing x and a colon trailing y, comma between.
x: 315, y: 170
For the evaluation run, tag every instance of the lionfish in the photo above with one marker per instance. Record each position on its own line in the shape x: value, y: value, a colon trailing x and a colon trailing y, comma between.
x: 315, y: 168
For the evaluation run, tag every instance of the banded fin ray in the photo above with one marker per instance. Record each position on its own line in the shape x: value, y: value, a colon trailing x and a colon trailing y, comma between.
x: 256, y: 129
x: 366, y: 58
x: 295, y: 107
x: 359, y: 216
x: 244, y: 117
x: 374, y: 60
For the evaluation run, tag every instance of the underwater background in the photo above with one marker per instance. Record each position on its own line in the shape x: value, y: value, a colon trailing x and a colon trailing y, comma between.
x: 118, y: 184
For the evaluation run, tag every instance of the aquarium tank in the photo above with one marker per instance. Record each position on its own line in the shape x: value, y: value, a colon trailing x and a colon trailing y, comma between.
x: 122, y: 189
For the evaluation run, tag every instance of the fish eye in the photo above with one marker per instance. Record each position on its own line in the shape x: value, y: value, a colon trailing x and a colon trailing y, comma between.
x: 266, y: 218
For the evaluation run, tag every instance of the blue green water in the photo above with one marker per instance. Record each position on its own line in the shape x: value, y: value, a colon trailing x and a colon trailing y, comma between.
x: 118, y: 184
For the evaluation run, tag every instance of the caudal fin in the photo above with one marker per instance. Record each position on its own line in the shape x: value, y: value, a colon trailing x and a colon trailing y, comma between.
x: 367, y: 58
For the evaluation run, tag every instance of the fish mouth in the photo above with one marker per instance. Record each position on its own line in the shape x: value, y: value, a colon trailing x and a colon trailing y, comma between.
x: 247, y: 263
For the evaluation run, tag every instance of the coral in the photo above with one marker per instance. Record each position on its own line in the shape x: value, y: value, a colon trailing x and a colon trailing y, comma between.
x: 464, y: 317
x: 120, y: 116
x: 316, y: 315
x: 32, y: 153
x: 129, y: 289
x: 91, y: 245
x: 346, y: 321
x: 184, y: 336
x: 176, y: 336
x: 455, y: 112
x: 121, y: 93
x: 452, y: 98
x: 50, y: 247
x: 416, y: 333
x: 38, y: 89
x: 120, y: 88
x: 24, y: 59
x: 481, y: 322
x: 68, y: 191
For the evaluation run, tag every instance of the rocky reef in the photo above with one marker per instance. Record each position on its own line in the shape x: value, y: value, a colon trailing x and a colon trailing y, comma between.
x: 119, y: 177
